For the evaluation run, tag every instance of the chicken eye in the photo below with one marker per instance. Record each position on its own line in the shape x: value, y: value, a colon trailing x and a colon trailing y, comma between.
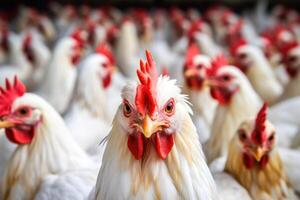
x: 242, y: 56
x: 226, y: 77
x: 169, y: 108
x: 24, y: 111
x: 126, y: 109
x: 292, y: 59
x: 200, y: 66
x: 242, y: 135
x: 271, y: 138
x: 105, y: 65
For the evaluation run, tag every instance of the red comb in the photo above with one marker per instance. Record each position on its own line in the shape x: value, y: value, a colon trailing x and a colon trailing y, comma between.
x: 217, y: 63
x: 286, y: 47
x: 112, y: 33
x: 8, y: 95
x: 79, y: 36
x: 195, y: 27
x: 236, y: 45
x: 192, y: 51
x: 258, y: 135
x: 145, y: 94
x: 27, y: 41
x: 104, y: 49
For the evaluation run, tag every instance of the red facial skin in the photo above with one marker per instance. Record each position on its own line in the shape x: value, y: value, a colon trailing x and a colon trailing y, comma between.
x: 21, y: 133
x: 223, y: 89
x: 4, y: 41
x: 138, y: 144
x: 240, y: 64
x: 291, y: 71
x: 29, y: 53
x: 195, y: 81
x: 106, y: 80
x: 249, y: 144
x: 77, y: 51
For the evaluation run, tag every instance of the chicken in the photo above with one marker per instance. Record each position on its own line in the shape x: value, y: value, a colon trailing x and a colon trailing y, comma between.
x: 47, y: 163
x: 59, y: 84
x: 199, y: 95
x: 95, y: 87
x: 251, y: 60
x: 37, y: 52
x: 287, y: 123
x: 201, y: 33
x: 237, y: 101
x: 291, y: 58
x: 128, y: 40
x: 254, y: 161
x: 4, y: 43
x: 153, y: 149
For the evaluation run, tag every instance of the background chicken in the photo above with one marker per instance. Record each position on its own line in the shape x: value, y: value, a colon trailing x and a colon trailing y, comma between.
x: 254, y: 161
x: 94, y: 85
x: 61, y: 75
x: 251, y: 60
x: 196, y: 66
x: 43, y: 142
x: 237, y: 101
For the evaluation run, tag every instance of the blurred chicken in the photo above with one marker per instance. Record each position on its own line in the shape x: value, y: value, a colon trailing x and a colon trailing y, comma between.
x: 47, y: 163
x: 251, y: 60
x: 153, y: 145
x: 95, y: 86
x: 201, y: 33
x: 29, y: 57
x: 59, y: 84
x: 237, y: 101
x: 291, y: 58
x: 254, y: 161
x: 199, y: 95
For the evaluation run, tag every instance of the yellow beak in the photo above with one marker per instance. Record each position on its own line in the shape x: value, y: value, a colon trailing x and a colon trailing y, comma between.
x: 6, y: 124
x: 149, y: 127
x: 211, y: 82
x: 258, y: 153
x: 190, y: 72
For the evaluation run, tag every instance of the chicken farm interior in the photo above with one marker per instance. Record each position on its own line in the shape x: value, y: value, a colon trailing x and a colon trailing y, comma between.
x: 150, y: 100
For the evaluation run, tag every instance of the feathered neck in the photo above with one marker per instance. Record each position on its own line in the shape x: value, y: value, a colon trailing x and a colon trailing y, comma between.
x: 262, y: 78
x: 184, y: 174
x: 202, y: 102
x: 90, y: 93
x: 291, y: 89
x: 51, y: 152
x: 268, y: 183
x: 244, y: 104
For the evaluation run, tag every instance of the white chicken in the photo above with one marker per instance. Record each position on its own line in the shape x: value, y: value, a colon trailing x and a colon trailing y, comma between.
x: 254, y: 161
x: 29, y: 57
x: 47, y: 163
x: 95, y: 86
x: 153, y: 149
x: 237, y: 101
x: 291, y: 58
x: 59, y: 84
x: 203, y: 104
x: 251, y: 60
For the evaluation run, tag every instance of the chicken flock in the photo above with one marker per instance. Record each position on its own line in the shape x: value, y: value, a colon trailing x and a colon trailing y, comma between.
x: 100, y: 103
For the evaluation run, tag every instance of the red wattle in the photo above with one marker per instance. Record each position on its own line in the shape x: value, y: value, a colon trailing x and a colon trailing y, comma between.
x: 248, y: 161
x: 163, y: 144
x: 106, y: 81
x: 264, y: 161
x: 19, y: 136
x: 135, y: 144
